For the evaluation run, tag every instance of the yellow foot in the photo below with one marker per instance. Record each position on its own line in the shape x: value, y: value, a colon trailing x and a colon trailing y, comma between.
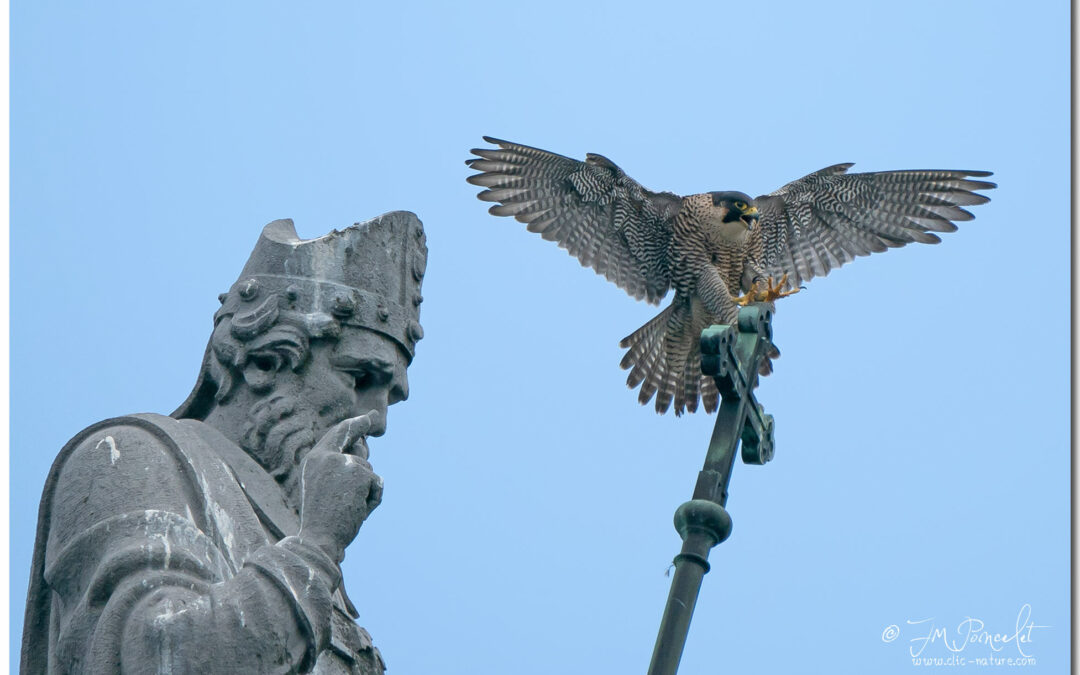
x: 766, y: 292
x: 774, y: 292
x: 744, y: 300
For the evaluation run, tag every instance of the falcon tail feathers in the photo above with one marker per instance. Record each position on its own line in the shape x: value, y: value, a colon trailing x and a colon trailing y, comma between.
x: 663, y: 358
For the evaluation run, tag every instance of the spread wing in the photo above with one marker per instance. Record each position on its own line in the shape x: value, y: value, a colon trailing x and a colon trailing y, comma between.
x: 829, y: 217
x: 593, y: 209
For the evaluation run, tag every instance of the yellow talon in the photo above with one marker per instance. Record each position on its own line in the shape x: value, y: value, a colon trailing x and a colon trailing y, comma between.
x: 744, y: 300
x: 774, y: 292
x: 769, y: 293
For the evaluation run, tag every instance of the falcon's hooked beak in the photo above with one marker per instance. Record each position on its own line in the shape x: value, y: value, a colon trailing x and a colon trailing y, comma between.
x: 750, y: 216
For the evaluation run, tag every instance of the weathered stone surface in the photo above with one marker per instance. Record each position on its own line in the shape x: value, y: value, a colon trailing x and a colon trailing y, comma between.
x: 210, y: 541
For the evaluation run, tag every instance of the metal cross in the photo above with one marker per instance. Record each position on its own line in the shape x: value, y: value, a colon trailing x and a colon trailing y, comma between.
x: 731, y: 357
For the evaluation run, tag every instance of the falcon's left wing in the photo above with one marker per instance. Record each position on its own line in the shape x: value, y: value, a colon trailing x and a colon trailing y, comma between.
x: 829, y: 217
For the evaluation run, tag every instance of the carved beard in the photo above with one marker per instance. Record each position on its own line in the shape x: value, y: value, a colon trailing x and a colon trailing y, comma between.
x: 278, y: 434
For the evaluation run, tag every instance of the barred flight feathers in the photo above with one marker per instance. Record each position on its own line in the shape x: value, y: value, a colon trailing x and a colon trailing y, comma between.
x: 594, y: 210
x: 829, y: 217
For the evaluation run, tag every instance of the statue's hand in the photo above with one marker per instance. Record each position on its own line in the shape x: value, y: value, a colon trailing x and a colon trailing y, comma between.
x: 340, y: 489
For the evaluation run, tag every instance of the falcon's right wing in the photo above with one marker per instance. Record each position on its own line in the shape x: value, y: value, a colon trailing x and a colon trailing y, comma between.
x: 593, y: 209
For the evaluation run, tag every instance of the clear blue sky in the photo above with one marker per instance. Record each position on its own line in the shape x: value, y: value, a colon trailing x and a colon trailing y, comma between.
x: 921, y: 401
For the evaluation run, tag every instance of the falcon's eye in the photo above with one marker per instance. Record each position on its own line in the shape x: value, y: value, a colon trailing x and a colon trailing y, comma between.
x: 740, y: 205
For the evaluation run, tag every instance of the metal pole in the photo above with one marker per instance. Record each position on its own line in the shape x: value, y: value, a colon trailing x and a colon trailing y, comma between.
x: 732, y: 357
x: 703, y: 524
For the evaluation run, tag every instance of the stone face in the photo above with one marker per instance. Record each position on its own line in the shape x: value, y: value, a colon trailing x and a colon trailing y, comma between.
x: 209, y: 541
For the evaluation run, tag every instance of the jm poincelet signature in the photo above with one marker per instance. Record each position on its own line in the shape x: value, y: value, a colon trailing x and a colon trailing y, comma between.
x: 969, y: 631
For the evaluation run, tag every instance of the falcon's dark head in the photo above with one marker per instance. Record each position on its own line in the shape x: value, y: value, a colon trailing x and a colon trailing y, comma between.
x: 735, y: 207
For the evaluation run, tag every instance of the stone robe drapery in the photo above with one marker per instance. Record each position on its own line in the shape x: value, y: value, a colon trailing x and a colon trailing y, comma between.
x: 163, y: 548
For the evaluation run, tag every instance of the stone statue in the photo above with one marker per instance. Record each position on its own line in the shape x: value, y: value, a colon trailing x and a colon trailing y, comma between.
x: 210, y: 541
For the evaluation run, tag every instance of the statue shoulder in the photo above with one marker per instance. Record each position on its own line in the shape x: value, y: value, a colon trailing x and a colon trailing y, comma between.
x: 122, y: 465
x: 133, y: 446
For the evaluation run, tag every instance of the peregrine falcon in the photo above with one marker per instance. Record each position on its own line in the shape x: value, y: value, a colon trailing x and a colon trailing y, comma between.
x: 716, y: 249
